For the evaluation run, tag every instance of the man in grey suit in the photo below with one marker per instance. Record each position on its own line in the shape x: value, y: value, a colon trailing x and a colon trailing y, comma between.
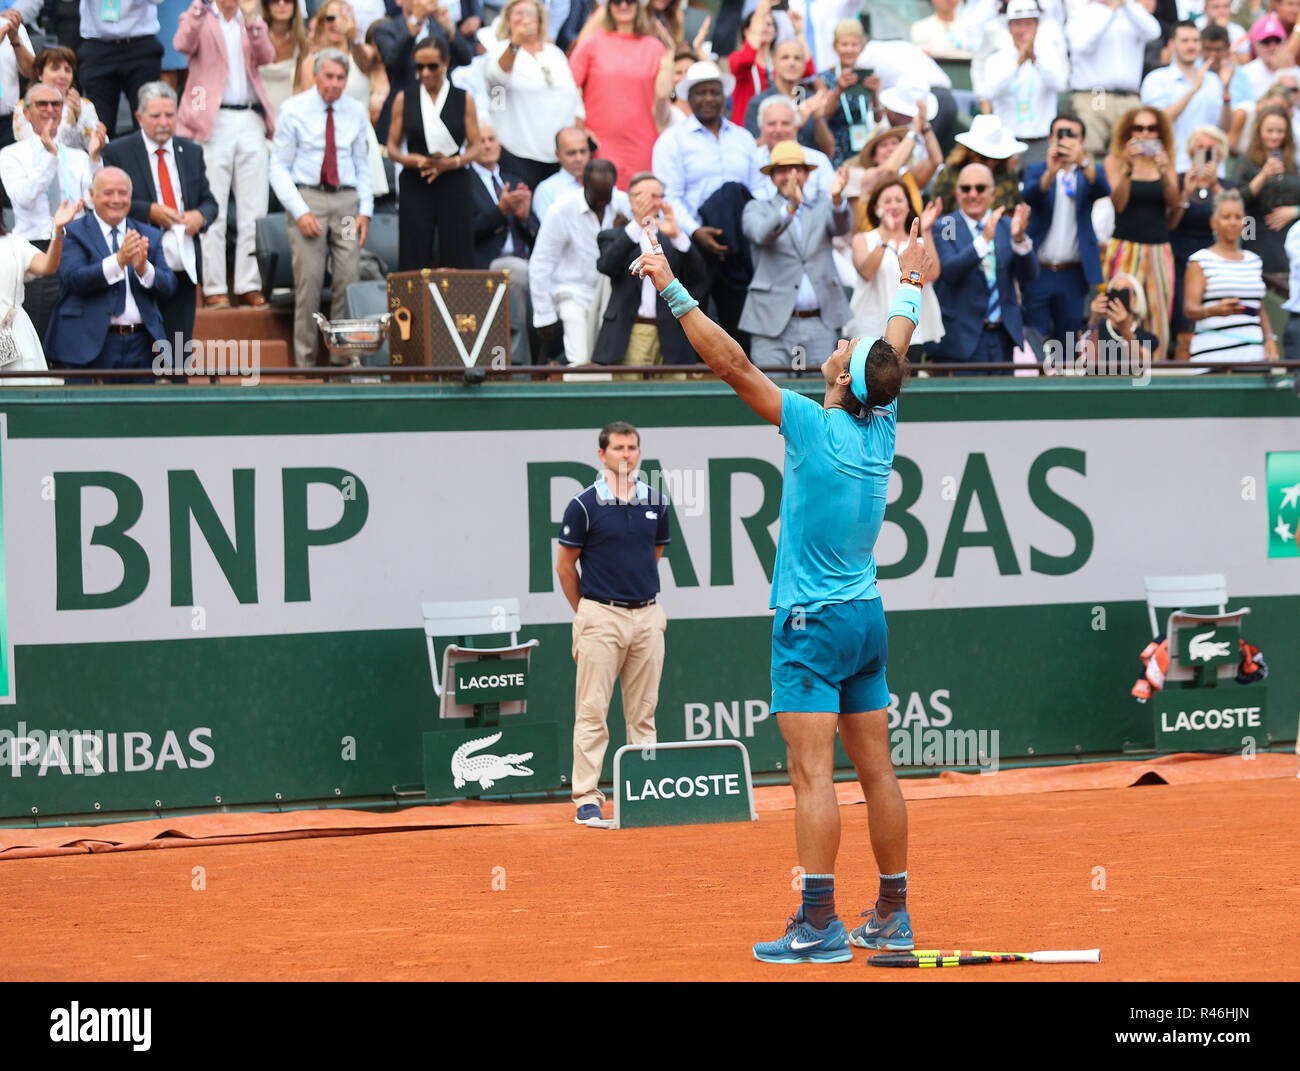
x: 796, y: 306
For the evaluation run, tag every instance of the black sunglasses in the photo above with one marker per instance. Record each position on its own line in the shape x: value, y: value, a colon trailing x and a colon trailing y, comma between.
x: 622, y: 3
x: 980, y: 188
x: 1146, y: 128
x: 427, y: 67
x: 331, y: 18
x: 1061, y: 133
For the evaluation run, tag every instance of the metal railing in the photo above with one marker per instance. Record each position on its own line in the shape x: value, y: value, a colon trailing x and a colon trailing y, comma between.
x: 598, y: 373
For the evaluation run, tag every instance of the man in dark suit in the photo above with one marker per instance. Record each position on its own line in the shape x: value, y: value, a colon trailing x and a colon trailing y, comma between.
x: 504, y: 232
x: 1060, y: 194
x: 638, y: 329
x: 981, y: 255
x: 111, y: 278
x: 169, y: 186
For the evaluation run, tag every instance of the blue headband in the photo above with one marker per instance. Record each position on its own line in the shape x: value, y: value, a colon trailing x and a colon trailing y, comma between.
x: 858, y: 367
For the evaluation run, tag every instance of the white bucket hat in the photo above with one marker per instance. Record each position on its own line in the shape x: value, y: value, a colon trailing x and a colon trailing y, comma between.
x: 1023, y: 9
x: 906, y: 97
x: 704, y: 71
x: 988, y: 137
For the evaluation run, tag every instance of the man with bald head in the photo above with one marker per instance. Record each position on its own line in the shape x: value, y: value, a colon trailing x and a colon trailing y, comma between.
x: 572, y: 150
x: 981, y: 254
x: 111, y: 278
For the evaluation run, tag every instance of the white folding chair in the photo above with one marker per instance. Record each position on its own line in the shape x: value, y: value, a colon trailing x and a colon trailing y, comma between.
x: 1176, y: 592
x: 462, y: 620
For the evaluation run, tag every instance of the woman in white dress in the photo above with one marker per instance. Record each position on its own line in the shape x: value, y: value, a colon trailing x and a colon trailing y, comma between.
x: 1224, y: 292
x: 288, y: 33
x: 887, y: 221
x: 80, y: 125
x: 20, y: 347
x: 334, y: 26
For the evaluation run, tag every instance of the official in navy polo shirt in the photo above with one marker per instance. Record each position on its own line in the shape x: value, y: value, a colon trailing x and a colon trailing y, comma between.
x: 616, y: 530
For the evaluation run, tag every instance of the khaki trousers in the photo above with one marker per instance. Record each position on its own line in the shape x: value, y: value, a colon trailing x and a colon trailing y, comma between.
x: 644, y: 348
x: 610, y: 643
x: 1100, y: 111
x: 337, y: 214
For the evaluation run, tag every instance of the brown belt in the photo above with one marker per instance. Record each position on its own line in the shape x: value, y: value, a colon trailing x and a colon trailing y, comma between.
x: 125, y: 329
x: 803, y: 314
x: 1065, y: 265
x: 647, y: 320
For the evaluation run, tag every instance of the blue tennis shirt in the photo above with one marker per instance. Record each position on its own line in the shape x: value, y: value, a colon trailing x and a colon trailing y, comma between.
x: 832, y: 504
x: 618, y: 540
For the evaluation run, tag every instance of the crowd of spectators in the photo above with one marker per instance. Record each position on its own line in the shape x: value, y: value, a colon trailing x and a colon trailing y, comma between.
x: 1119, y: 169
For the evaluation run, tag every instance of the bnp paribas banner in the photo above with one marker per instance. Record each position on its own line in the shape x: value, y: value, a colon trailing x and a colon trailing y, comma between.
x: 216, y: 599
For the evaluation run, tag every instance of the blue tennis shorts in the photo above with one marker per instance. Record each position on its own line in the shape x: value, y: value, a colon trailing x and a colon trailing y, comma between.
x: 830, y: 659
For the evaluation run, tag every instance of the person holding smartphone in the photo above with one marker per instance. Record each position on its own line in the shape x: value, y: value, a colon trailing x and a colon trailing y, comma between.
x: 1225, y: 292
x: 1189, y: 226
x: 1144, y: 190
x: 1270, y: 185
x: 1115, y: 313
x: 850, y: 105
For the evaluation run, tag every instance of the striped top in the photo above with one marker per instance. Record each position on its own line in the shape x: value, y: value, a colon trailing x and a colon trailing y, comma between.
x: 1230, y: 338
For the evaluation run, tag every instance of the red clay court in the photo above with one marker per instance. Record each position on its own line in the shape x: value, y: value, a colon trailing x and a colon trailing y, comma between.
x: 1009, y: 864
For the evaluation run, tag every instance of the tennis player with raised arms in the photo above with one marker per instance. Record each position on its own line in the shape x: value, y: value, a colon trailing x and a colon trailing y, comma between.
x: 829, y: 641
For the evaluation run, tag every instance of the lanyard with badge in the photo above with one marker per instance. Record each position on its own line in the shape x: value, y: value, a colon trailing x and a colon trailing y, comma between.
x: 110, y: 10
x: 1023, y: 93
x: 858, y: 131
x: 64, y: 180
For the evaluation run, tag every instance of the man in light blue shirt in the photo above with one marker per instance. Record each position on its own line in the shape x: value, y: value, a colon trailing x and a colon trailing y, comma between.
x: 120, y: 52
x: 695, y: 159
x: 698, y: 155
x: 829, y: 641
x: 320, y: 171
x: 1189, y: 93
x: 573, y: 150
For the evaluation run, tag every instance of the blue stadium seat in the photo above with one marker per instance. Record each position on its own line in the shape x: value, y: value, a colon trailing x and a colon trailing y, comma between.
x: 382, y: 240
x: 368, y: 300
x: 274, y: 259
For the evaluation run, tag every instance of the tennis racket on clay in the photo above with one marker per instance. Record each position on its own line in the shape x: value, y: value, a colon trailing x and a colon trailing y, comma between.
x: 958, y: 958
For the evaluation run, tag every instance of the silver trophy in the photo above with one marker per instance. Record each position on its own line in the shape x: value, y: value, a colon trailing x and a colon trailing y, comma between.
x: 352, y: 340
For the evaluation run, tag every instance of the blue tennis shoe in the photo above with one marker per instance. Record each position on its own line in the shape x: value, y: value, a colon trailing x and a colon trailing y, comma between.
x: 894, y: 933
x: 803, y: 944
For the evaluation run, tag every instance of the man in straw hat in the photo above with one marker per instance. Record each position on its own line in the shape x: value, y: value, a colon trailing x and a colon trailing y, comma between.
x: 829, y: 642
x: 796, y: 306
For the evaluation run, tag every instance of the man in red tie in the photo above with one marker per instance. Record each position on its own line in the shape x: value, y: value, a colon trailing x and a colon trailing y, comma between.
x: 170, y: 191
x: 320, y: 171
